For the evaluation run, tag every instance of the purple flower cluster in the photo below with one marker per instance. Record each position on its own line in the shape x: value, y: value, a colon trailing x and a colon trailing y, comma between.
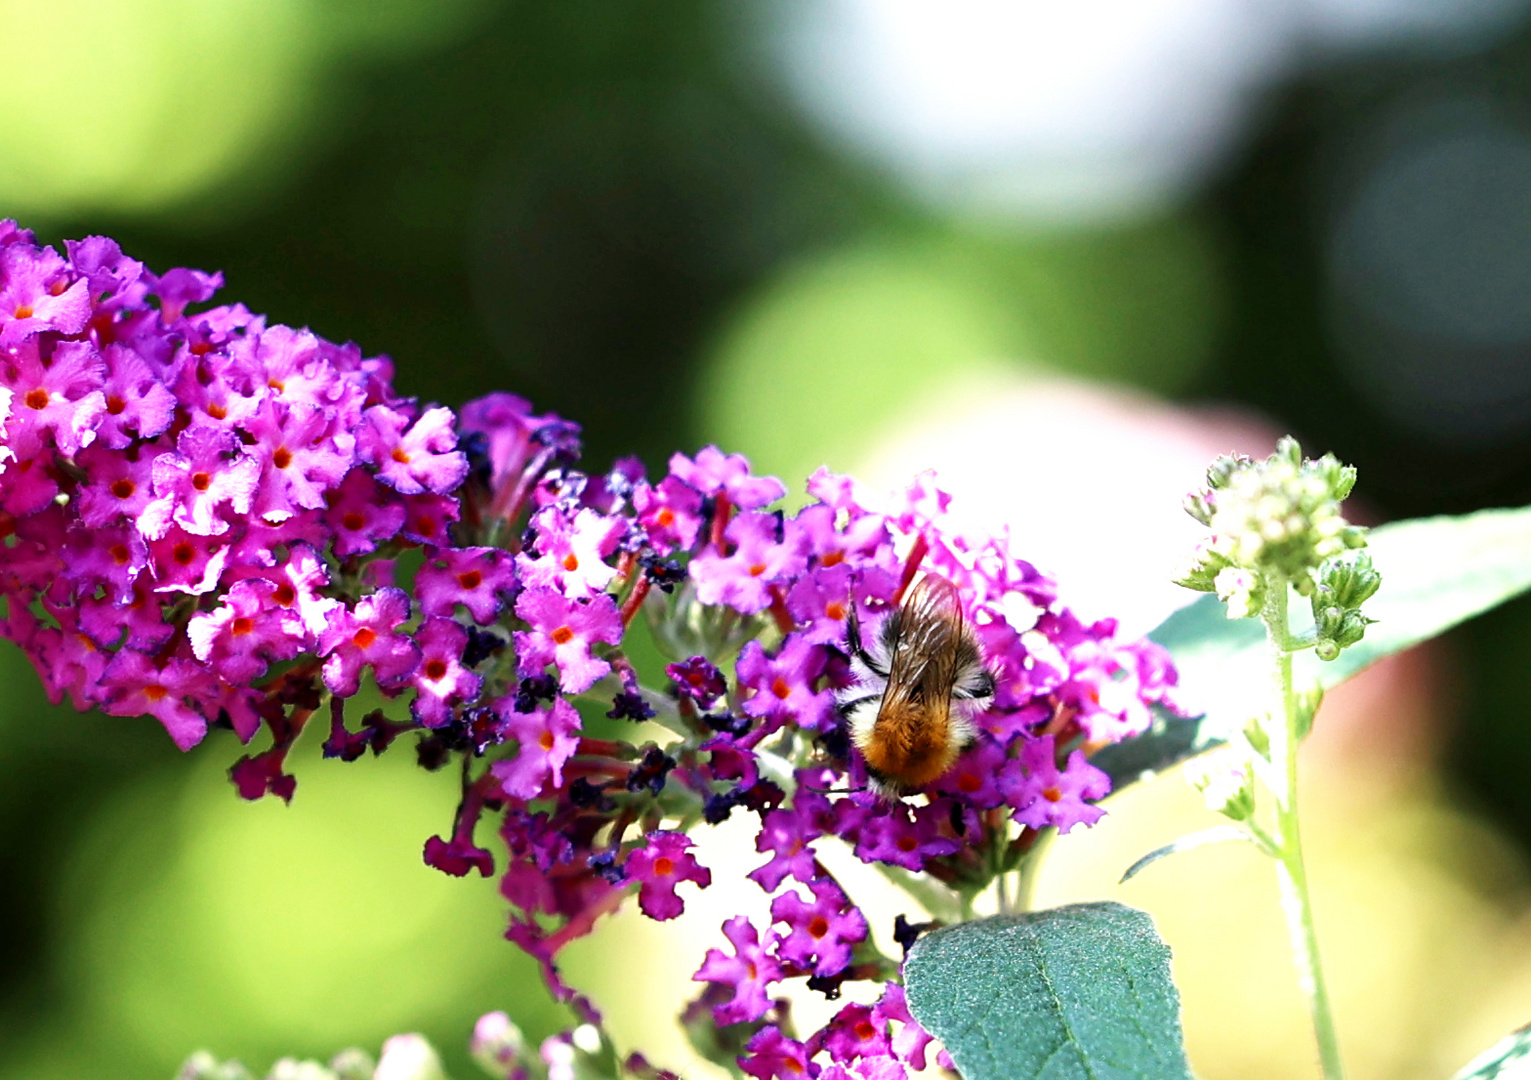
x: 202, y: 517
x: 188, y: 499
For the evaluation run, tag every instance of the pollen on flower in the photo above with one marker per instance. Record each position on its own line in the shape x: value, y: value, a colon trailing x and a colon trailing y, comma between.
x: 37, y: 399
x: 23, y: 311
x: 563, y: 635
x: 281, y: 457
x: 364, y: 637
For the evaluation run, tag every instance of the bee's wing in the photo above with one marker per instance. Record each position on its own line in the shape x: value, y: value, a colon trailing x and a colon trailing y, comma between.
x: 925, y: 645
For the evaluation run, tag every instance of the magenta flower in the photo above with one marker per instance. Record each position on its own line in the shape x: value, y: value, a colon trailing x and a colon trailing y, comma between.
x: 368, y: 634
x: 422, y: 458
x: 37, y: 294
x: 57, y: 402
x: 716, y: 473
x: 302, y: 456
x: 135, y: 684
x: 770, y: 1055
x: 659, y: 866
x: 457, y: 856
x: 117, y: 486
x: 891, y: 835
x: 476, y: 577
x: 441, y: 682
x: 910, y: 1040
x: 783, y: 684
x: 787, y: 834
x: 1044, y: 795
x: 671, y: 514
x: 819, y: 934
x: 854, y: 1032
x: 360, y: 516
x: 748, y: 973
x: 240, y: 637
x: 975, y: 777
x: 562, y: 633
x: 138, y: 405
x: 571, y: 554
x: 208, y: 470
x: 546, y: 739
x: 742, y: 579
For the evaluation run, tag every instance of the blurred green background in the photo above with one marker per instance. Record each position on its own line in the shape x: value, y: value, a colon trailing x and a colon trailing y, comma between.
x: 679, y: 222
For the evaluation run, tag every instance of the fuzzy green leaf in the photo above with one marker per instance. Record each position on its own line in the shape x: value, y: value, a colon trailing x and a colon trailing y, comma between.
x: 1081, y: 992
x: 1436, y: 573
x: 1507, y: 1059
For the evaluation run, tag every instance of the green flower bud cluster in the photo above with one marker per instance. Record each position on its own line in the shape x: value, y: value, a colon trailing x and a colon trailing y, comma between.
x: 1344, y: 583
x: 1276, y: 520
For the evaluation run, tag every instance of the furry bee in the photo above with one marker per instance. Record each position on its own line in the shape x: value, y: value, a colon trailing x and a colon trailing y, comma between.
x: 920, y: 681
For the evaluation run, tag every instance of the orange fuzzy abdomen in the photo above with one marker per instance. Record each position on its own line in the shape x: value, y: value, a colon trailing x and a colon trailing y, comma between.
x: 911, y: 746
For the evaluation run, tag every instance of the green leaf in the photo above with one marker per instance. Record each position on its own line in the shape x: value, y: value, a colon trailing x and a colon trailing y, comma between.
x: 1436, y: 573
x: 1507, y: 1059
x: 1218, y: 834
x: 1082, y: 991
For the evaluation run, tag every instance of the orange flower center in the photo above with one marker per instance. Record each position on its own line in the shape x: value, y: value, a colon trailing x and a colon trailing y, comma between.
x: 563, y: 635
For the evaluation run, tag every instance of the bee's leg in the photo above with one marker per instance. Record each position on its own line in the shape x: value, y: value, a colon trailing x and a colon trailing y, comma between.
x: 853, y: 640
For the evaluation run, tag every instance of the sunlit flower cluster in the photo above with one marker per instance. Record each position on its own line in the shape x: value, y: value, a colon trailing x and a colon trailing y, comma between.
x: 211, y: 520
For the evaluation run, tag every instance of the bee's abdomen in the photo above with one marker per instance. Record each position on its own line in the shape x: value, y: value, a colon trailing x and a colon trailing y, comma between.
x: 909, y: 747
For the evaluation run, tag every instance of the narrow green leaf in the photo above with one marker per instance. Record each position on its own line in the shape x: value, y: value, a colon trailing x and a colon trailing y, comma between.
x: 1507, y: 1059
x: 1218, y: 834
x: 1081, y: 992
x: 1436, y: 573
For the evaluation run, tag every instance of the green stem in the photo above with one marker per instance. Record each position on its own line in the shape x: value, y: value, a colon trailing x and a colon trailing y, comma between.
x: 1291, y: 874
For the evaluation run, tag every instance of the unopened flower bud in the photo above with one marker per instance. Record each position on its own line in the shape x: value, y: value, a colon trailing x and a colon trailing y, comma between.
x: 353, y: 1064
x: 497, y: 1044
x: 1241, y: 590
x: 293, y: 1069
x: 1225, y: 783
x: 1200, y: 570
x: 409, y: 1057
x: 203, y: 1066
x: 1347, y: 581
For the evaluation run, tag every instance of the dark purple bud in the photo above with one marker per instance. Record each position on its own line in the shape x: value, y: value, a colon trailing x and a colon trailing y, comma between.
x: 699, y: 680
x: 651, y: 771
x: 629, y: 705
x: 604, y: 863
x: 482, y: 644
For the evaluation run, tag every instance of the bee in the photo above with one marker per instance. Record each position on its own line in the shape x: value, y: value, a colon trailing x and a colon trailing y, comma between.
x: 920, y: 681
